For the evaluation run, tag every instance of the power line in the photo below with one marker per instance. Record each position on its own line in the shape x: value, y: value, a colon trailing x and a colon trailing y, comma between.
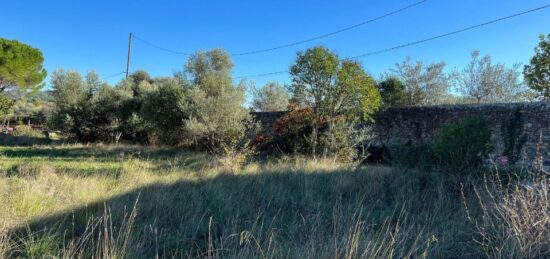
x: 449, y: 33
x: 161, y: 48
x: 420, y: 41
x: 113, y: 75
x: 262, y: 75
x: 287, y: 45
x: 330, y: 33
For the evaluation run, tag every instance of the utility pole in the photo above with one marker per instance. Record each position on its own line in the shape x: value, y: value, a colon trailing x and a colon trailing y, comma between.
x: 129, y: 51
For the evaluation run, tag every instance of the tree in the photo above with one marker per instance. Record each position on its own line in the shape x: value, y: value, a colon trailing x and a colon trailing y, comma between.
x: 217, y: 124
x: 270, y: 98
x: 392, y: 92
x: 69, y: 89
x: 424, y: 85
x: 140, y: 76
x: 215, y: 107
x: 135, y: 89
x: 165, y: 110
x: 104, y: 119
x: 332, y: 88
x: 85, y: 109
x: 6, y: 104
x: 486, y: 82
x: 210, y: 71
x: 537, y: 73
x: 20, y: 66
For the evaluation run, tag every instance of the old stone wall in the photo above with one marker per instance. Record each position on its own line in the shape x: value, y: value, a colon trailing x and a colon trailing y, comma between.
x: 418, y: 125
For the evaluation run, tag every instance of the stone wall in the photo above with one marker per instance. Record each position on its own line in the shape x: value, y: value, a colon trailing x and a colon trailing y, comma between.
x: 417, y: 125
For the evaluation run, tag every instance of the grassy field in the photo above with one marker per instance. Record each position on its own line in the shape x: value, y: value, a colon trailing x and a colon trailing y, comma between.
x: 135, y: 202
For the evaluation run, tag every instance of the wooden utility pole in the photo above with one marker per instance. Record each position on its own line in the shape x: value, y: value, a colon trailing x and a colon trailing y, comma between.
x: 129, y: 51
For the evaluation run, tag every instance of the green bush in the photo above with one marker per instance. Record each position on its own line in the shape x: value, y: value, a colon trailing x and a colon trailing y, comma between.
x: 461, y: 147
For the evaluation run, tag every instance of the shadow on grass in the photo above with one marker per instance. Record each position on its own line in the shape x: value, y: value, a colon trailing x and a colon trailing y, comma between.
x: 31, y: 170
x: 11, y: 140
x: 187, y: 218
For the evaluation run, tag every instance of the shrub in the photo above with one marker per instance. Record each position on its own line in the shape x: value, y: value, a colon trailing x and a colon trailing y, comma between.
x: 6, y: 104
x: 344, y: 140
x: 461, y: 146
x: 135, y: 89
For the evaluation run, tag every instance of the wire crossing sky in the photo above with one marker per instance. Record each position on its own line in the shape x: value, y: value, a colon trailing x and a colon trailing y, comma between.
x: 265, y: 35
x: 325, y: 35
x: 409, y: 44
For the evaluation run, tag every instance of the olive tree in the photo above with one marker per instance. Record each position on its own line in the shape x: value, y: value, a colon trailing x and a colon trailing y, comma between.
x: 423, y: 84
x: 216, y: 117
x: 135, y: 89
x: 485, y: 82
x: 85, y: 109
x: 210, y: 71
x: 270, y: 98
x: 164, y: 109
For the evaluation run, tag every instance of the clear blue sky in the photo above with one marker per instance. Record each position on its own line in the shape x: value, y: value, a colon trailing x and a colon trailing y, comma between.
x: 86, y: 35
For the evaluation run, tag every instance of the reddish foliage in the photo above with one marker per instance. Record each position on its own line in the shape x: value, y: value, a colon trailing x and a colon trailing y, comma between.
x: 259, y: 140
x: 295, y: 116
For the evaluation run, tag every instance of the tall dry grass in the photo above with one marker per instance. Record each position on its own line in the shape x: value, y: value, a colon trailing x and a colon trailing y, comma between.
x: 143, y: 205
x: 515, y: 218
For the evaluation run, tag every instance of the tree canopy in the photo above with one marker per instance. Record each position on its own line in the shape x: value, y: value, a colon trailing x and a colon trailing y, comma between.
x: 485, y: 82
x: 215, y: 107
x: 20, y: 66
x: 210, y: 71
x: 424, y: 84
x: 333, y: 87
x: 537, y: 73
x: 338, y: 92
x: 392, y: 92
x: 270, y: 98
